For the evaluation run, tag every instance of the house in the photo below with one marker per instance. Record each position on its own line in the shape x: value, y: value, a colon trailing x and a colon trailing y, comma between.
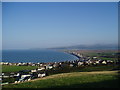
x: 10, y: 64
x: 88, y: 62
x: 71, y: 65
x: 27, y: 78
x: 94, y: 57
x: 21, y: 73
x: 12, y: 74
x: 109, y: 62
x: 16, y: 75
x: 80, y: 63
x: 33, y: 64
x: 41, y: 75
x: 23, y: 78
x: 48, y: 67
x: 27, y: 75
x: 19, y: 64
x: 97, y: 62
x: 41, y: 68
x: 5, y: 63
x: 5, y: 75
x: 56, y: 64
x: 104, y: 62
x: 34, y: 70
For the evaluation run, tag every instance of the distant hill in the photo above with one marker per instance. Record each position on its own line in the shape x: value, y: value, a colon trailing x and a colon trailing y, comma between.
x: 96, y: 46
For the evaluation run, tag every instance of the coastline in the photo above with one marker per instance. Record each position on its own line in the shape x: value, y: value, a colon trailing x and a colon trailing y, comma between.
x: 84, y: 63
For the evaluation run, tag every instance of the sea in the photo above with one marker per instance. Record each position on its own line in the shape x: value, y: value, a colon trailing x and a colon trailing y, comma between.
x: 36, y: 56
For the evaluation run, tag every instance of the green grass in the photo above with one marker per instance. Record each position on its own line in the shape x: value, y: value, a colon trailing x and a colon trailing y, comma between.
x: 104, y: 58
x: 104, y: 79
x: 99, y: 68
x: 83, y: 69
x: 91, y: 54
x: 98, y: 53
x: 12, y: 68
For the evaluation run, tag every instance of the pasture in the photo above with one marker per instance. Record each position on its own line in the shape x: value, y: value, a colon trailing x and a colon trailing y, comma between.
x: 97, y: 79
x: 13, y: 68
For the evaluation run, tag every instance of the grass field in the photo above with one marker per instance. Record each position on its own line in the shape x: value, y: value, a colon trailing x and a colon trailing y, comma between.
x: 83, y: 69
x: 12, y: 68
x: 97, y: 52
x: 98, y: 79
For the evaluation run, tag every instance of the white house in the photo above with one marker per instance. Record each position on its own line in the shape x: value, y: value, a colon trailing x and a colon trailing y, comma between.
x: 71, y: 65
x: 94, y: 57
x: 49, y: 67
x: 97, y: 62
x: 18, y: 74
x: 34, y: 70
x: 41, y: 68
x: 80, y: 63
x: 41, y: 75
x: 22, y: 76
x: 104, y: 62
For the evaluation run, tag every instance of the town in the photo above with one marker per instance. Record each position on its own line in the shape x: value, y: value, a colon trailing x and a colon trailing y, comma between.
x: 43, y: 69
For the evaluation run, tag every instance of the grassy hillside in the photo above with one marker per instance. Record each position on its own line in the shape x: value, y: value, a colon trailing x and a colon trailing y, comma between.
x: 12, y: 68
x: 98, y: 79
x: 82, y: 69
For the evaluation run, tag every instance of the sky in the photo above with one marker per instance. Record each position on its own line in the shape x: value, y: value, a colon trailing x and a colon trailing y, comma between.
x: 54, y: 24
x: 0, y: 28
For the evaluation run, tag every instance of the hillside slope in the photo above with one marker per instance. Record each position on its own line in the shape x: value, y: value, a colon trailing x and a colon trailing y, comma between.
x: 99, y: 79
